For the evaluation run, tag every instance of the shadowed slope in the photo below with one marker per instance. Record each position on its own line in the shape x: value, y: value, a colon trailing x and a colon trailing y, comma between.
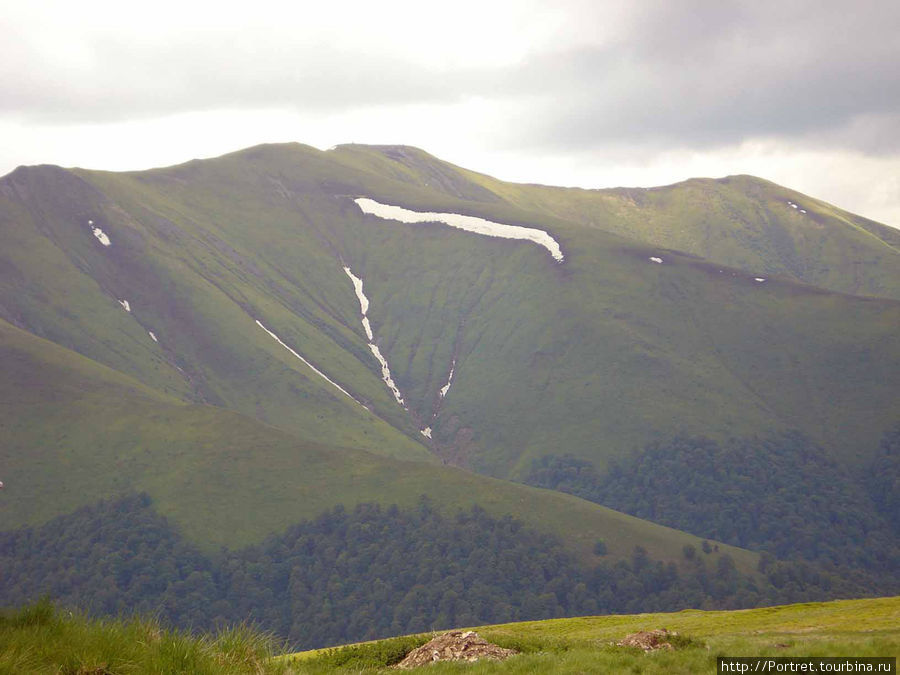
x: 75, y: 431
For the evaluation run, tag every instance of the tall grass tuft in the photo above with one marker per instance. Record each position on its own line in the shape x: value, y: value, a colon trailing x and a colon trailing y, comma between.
x: 41, y: 639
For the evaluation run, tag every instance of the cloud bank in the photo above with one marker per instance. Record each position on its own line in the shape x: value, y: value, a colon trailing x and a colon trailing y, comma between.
x: 631, y: 83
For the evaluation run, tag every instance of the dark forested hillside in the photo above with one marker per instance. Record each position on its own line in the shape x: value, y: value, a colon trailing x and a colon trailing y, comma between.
x: 780, y: 494
x: 361, y: 574
x: 883, y: 478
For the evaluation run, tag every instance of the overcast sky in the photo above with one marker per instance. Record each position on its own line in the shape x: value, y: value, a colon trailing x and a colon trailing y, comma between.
x: 594, y: 94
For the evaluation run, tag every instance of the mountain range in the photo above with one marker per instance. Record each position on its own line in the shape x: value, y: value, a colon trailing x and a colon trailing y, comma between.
x: 255, y: 339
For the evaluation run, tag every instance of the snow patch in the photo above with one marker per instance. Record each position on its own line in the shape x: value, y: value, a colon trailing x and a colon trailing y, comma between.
x: 759, y: 279
x: 125, y: 305
x: 658, y: 261
x: 461, y: 222
x: 802, y: 210
x: 100, y: 234
x: 308, y: 364
x: 426, y: 432
x: 386, y: 374
x: 364, y: 308
x: 152, y: 336
x: 358, y: 287
x: 446, y: 387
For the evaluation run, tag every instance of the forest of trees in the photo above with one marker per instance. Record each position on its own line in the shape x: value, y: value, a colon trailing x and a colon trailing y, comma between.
x: 366, y: 573
x: 780, y: 494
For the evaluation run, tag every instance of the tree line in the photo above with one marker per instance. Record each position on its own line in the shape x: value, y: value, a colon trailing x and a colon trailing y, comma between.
x: 780, y: 494
x: 366, y: 573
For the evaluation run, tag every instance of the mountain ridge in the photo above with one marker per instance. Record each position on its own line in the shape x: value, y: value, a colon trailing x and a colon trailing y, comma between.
x: 208, y: 265
x: 189, y: 226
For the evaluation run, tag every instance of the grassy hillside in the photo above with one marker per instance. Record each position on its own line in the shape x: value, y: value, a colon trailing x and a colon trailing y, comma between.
x: 594, y: 357
x: 611, y: 351
x: 597, y: 356
x: 38, y: 640
x: 842, y: 628
x: 201, y: 299
x: 740, y: 221
x: 76, y: 431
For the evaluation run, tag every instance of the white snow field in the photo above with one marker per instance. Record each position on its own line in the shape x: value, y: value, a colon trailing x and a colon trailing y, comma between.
x: 461, y: 222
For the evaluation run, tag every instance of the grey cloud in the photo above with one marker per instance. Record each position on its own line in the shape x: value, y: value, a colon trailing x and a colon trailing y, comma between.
x: 711, y: 73
x: 125, y: 81
x: 698, y: 73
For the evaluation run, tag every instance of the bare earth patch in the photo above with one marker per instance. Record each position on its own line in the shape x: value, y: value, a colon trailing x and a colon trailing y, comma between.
x: 454, y: 646
x: 648, y: 640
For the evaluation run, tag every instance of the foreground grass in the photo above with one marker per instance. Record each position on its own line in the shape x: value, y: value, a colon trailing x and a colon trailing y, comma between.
x: 39, y: 639
x: 869, y: 627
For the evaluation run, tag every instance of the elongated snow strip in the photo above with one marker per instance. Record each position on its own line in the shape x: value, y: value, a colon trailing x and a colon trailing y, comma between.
x: 358, y: 287
x: 101, y: 236
x: 468, y: 223
x: 364, y: 308
x: 386, y: 374
x: 446, y: 387
x: 311, y: 366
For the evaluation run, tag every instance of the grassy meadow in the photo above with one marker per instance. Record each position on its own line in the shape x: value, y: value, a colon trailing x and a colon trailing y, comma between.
x: 868, y: 627
x: 41, y: 640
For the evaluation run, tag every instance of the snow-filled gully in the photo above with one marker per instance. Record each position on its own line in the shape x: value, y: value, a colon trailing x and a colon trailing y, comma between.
x: 364, y: 309
x: 461, y: 222
x: 446, y: 387
x: 308, y: 364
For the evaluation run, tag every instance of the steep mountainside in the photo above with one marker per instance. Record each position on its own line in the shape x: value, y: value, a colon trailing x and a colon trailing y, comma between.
x: 255, y: 340
x: 237, y: 267
x: 75, y: 431
x: 740, y: 221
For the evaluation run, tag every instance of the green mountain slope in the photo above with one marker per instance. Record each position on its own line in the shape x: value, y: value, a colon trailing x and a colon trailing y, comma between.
x: 201, y: 300
x: 75, y: 431
x: 594, y: 357
x: 196, y: 333
x: 740, y: 221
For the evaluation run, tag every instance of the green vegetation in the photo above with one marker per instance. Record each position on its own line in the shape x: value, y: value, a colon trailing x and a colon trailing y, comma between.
x: 235, y: 440
x: 585, y: 644
x: 781, y: 494
x: 595, y: 357
x: 362, y: 656
x: 739, y: 221
x: 75, y: 431
x: 883, y: 478
x: 40, y: 639
x: 364, y: 574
